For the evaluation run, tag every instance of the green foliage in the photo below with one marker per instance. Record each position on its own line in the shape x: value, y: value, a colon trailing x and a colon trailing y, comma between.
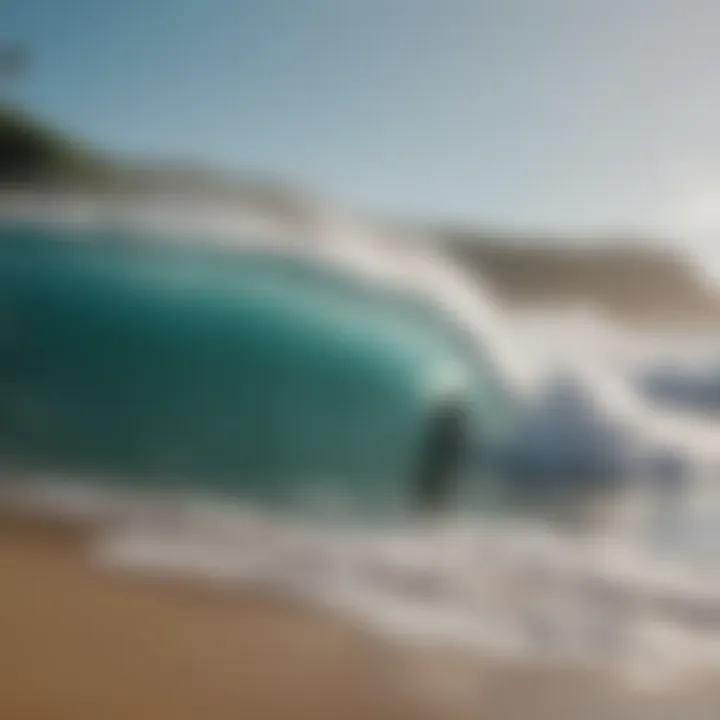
x: 33, y: 154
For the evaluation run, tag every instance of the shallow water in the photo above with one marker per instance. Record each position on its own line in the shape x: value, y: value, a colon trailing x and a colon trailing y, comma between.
x: 626, y: 579
x: 627, y: 595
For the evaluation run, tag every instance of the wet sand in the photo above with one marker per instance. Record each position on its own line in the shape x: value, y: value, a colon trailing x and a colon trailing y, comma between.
x: 80, y: 642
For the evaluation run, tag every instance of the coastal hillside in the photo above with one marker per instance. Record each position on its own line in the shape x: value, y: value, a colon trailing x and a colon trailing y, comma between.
x: 34, y: 155
x: 37, y: 158
x: 634, y: 284
x: 627, y: 280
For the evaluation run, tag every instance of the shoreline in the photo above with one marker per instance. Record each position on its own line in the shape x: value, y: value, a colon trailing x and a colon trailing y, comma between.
x: 84, y: 642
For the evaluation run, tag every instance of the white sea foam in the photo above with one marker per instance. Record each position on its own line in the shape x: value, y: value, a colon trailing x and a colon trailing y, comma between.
x: 641, y: 590
x: 496, y: 588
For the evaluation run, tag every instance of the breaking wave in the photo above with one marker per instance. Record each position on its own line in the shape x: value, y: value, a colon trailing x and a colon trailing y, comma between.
x: 637, y: 591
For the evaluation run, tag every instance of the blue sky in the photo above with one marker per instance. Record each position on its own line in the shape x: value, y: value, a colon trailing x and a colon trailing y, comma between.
x: 577, y: 114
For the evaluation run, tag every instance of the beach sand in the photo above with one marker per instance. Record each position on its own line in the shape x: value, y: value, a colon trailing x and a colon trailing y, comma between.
x: 77, y: 642
x: 81, y: 642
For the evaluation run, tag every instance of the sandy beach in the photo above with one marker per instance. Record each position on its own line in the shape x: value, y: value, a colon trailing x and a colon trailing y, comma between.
x: 82, y: 642
x: 78, y: 642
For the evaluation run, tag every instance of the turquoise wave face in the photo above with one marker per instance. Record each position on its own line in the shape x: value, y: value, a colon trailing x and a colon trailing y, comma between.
x: 249, y: 373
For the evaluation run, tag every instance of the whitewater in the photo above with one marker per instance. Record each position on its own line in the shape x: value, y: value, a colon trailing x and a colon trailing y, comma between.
x: 636, y: 592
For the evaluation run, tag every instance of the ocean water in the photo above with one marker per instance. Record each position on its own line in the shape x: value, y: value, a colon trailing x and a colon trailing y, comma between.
x: 626, y: 579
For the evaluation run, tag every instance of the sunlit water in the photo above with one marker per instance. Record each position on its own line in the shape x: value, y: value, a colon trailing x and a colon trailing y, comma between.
x: 634, y: 587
